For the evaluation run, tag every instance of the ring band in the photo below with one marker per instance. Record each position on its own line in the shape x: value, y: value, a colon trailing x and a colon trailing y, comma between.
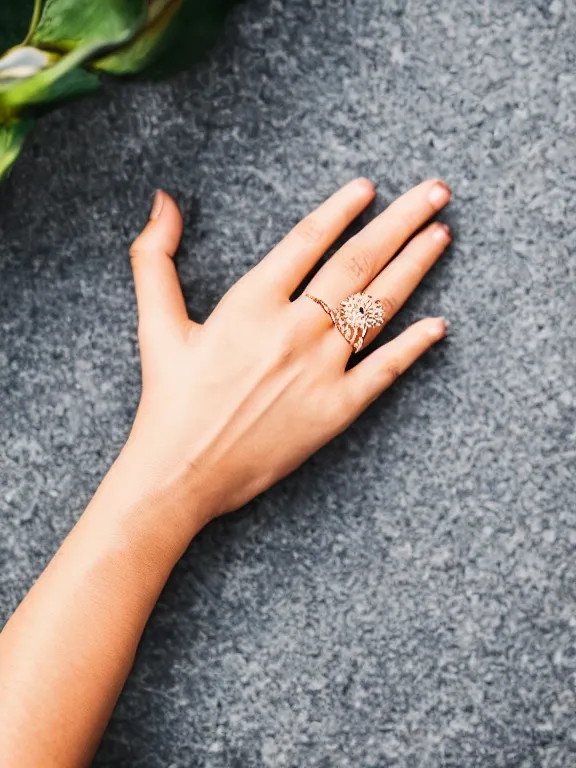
x: 354, y: 316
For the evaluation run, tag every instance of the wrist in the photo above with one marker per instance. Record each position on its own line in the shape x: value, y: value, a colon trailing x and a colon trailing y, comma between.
x: 156, y: 503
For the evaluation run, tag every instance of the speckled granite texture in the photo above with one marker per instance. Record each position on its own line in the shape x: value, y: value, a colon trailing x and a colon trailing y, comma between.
x: 408, y: 598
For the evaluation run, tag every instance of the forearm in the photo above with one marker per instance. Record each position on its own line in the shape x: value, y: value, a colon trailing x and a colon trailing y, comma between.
x: 67, y: 650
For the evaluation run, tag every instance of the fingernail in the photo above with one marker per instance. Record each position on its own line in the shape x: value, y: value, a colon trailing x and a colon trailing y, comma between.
x: 439, y: 195
x: 440, y: 328
x: 442, y: 232
x: 365, y: 185
x: 157, y: 206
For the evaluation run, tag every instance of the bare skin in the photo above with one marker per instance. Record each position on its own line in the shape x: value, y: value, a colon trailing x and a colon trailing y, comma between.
x: 215, y: 399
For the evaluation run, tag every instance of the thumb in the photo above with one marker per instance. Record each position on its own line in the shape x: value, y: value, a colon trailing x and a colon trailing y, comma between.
x: 158, y: 292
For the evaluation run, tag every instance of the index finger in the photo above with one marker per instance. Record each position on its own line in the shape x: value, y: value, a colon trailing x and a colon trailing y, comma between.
x: 291, y: 260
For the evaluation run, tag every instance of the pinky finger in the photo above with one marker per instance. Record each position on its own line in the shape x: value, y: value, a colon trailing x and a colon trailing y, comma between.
x: 380, y: 370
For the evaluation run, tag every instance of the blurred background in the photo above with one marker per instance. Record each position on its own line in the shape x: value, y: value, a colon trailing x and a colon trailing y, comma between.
x: 408, y: 597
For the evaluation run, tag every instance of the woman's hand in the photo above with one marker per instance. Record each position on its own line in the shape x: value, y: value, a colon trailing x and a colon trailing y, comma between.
x: 227, y: 409
x: 231, y: 406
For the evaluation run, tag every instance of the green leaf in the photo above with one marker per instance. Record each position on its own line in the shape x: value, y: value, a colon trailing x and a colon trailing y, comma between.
x: 12, y: 138
x: 131, y: 58
x: 69, y: 41
x: 63, y: 80
x: 63, y: 25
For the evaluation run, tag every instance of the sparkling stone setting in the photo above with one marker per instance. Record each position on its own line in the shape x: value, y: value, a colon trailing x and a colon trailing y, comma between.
x: 355, y: 316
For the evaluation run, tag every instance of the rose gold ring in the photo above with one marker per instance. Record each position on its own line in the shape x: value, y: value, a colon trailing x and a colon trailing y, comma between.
x: 354, y: 316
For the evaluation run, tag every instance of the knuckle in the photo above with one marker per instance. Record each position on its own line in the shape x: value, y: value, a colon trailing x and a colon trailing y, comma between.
x: 358, y: 261
x: 138, y: 254
x: 310, y: 230
x: 141, y: 254
x: 135, y: 250
x: 407, y: 211
x: 392, y: 371
x: 390, y: 306
x: 407, y: 217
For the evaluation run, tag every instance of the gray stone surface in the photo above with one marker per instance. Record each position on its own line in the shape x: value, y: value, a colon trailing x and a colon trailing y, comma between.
x: 408, y: 598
